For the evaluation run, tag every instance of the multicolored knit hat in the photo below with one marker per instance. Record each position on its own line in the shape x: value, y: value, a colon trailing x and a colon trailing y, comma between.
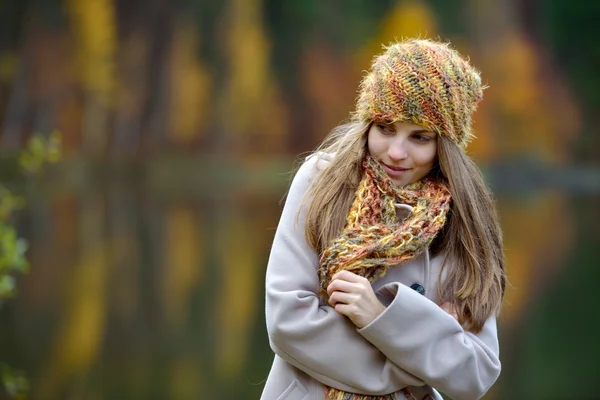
x: 422, y: 82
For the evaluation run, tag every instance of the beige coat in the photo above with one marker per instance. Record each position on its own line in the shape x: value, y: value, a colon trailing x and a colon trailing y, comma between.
x: 413, y: 343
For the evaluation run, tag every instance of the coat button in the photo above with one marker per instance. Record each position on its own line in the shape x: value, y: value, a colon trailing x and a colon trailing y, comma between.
x: 418, y: 288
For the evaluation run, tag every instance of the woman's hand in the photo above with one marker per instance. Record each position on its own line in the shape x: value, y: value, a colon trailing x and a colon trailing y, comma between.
x: 352, y: 295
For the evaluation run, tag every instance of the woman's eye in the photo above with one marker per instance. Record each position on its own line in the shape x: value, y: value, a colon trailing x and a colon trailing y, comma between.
x: 385, y: 129
x: 423, y: 138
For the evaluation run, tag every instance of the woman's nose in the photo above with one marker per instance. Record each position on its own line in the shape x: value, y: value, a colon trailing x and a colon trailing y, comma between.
x: 397, y: 149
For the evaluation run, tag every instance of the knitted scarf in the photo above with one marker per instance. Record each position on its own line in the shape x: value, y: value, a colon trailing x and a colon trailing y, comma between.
x: 373, y: 240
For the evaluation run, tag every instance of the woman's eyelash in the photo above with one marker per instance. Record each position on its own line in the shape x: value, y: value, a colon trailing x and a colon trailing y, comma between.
x: 385, y: 128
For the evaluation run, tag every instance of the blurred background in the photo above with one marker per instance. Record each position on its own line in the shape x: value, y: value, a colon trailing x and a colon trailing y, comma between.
x: 179, y: 125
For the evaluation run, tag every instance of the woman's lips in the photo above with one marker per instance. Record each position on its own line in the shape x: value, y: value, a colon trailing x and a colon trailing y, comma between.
x: 394, y: 171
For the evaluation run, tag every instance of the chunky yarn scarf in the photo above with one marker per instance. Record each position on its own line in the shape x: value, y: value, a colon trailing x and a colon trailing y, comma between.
x: 374, y: 240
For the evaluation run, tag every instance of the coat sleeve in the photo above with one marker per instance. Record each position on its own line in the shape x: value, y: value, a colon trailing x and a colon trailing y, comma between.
x: 312, y: 336
x: 423, y: 339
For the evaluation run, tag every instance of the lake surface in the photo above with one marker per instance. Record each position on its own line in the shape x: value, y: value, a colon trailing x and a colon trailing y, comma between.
x: 148, y: 291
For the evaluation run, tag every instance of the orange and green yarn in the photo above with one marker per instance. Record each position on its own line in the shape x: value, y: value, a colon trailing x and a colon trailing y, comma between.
x: 373, y: 239
x: 422, y: 82
x: 335, y: 394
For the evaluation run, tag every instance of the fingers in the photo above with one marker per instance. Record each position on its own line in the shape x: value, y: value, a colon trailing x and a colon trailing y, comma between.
x: 348, y: 276
x: 344, y: 309
x: 340, y: 285
x: 339, y: 298
x: 351, y: 295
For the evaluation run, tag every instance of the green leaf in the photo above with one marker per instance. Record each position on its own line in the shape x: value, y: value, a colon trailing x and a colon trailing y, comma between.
x: 15, y: 382
x: 7, y: 286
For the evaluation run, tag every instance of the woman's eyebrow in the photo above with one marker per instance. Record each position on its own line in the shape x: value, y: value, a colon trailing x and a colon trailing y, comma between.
x: 420, y: 131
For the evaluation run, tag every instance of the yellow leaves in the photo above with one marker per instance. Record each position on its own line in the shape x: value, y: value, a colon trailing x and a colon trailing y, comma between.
x: 249, y: 49
x: 251, y: 108
x: 411, y: 18
x: 519, y: 95
x: 519, y: 83
x: 535, y: 115
x: 481, y: 148
x: 94, y: 29
x: 190, y: 86
x: 241, y: 254
x: 77, y: 342
x: 326, y: 85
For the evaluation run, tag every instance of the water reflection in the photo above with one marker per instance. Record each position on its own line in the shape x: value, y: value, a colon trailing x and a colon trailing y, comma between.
x: 134, y: 294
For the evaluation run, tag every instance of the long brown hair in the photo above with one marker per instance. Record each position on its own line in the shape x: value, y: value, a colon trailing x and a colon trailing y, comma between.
x: 471, y: 238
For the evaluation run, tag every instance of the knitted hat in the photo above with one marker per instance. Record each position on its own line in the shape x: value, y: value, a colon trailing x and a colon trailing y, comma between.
x: 422, y: 82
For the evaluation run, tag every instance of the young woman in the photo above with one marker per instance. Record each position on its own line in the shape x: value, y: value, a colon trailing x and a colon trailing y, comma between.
x: 387, y: 271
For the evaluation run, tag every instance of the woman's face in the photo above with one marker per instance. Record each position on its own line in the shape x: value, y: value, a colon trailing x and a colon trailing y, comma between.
x: 406, y: 151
